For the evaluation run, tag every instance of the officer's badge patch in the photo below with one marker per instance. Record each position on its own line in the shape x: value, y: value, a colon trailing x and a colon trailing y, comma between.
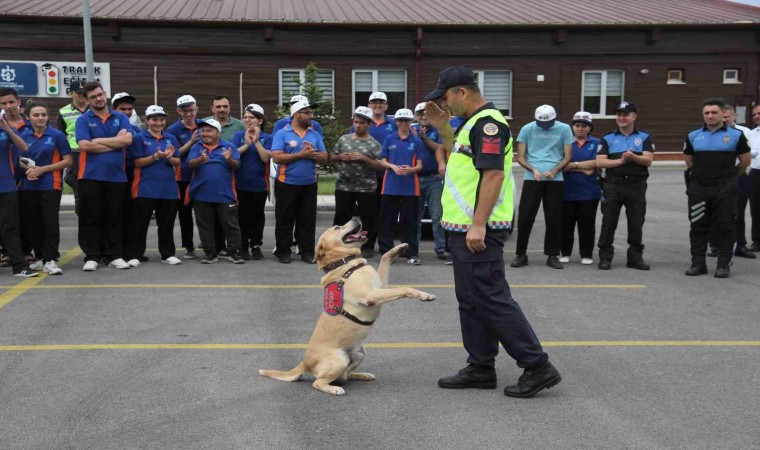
x: 490, y: 146
x: 293, y: 143
x: 637, y: 142
x: 333, y: 302
x: 490, y: 129
x: 726, y: 139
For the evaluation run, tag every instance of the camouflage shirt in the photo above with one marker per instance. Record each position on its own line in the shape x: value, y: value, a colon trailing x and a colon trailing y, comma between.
x: 356, y: 176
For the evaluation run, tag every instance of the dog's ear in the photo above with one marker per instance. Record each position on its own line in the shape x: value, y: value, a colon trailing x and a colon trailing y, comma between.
x: 319, y: 250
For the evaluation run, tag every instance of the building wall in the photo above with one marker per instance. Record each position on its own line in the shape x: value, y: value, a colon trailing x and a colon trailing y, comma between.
x: 206, y: 60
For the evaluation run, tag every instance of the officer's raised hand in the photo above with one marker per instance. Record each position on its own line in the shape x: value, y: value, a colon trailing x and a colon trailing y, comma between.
x: 438, y: 117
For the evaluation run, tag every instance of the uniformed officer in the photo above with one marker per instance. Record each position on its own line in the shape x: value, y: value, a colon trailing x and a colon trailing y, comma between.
x: 710, y: 153
x: 477, y: 210
x: 67, y: 119
x: 626, y: 154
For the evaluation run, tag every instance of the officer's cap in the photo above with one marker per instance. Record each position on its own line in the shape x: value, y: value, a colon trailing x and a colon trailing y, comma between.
x: 449, y: 78
x: 626, y: 107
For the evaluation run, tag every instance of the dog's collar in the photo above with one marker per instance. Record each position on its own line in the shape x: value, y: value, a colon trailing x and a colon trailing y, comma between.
x: 335, y: 264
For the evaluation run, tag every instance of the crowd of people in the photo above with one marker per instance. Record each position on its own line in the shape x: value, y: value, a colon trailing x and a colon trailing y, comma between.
x: 390, y: 169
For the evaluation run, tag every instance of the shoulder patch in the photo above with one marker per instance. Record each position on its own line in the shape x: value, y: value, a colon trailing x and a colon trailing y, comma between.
x: 490, y: 129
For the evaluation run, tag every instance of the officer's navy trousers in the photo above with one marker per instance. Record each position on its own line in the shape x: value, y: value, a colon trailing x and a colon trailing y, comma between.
x: 712, y: 206
x: 632, y: 195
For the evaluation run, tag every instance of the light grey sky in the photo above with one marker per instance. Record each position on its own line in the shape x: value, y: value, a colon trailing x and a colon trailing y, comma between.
x: 748, y: 2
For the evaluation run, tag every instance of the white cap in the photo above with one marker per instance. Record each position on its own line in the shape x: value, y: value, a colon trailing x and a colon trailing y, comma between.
x: 404, y: 113
x: 254, y: 108
x: 295, y: 107
x: 213, y: 123
x: 545, y: 113
x: 185, y: 100
x: 154, y: 110
x: 378, y: 96
x: 298, y: 98
x: 122, y: 95
x: 582, y: 116
x: 364, y: 112
x: 419, y: 107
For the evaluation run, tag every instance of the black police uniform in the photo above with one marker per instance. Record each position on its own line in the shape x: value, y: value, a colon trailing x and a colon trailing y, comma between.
x: 624, y: 185
x: 712, y: 190
x: 487, y: 311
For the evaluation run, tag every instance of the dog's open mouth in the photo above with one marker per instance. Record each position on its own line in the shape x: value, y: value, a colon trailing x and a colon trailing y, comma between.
x: 355, y: 235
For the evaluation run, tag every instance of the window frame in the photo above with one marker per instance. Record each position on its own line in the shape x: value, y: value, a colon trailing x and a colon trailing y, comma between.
x: 480, y: 79
x: 301, y: 73
x: 679, y: 80
x: 375, y: 88
x: 603, y: 94
x: 735, y: 80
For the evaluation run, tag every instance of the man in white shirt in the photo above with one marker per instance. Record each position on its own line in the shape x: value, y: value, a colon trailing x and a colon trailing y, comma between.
x: 744, y: 192
x: 754, y: 177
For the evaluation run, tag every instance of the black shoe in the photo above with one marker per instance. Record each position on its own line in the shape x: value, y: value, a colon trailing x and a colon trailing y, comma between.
x: 224, y: 254
x: 308, y: 259
x: 210, y: 259
x: 712, y: 251
x: 722, y: 272
x: 256, y: 254
x: 284, y: 259
x: 143, y: 258
x: 237, y: 258
x: 637, y: 264
x: 533, y: 380
x: 368, y: 253
x: 520, y: 261
x: 744, y: 253
x: 696, y: 270
x: 246, y: 256
x: 554, y: 263
x: 755, y: 247
x: 605, y: 264
x: 441, y: 255
x: 472, y: 376
x: 26, y: 273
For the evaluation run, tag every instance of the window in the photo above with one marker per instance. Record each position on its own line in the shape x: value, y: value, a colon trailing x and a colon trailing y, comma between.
x: 392, y: 82
x: 731, y: 76
x: 290, y: 79
x: 602, y: 91
x: 496, y: 87
x: 675, y: 76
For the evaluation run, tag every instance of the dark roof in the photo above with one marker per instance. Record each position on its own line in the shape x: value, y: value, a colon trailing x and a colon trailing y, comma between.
x: 502, y: 13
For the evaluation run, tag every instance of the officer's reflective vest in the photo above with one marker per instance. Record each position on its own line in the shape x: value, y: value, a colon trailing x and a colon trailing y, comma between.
x: 460, y: 188
x: 70, y: 114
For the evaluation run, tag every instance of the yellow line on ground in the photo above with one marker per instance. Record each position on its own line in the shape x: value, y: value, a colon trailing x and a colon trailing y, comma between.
x: 380, y: 345
x: 310, y: 286
x: 31, y: 283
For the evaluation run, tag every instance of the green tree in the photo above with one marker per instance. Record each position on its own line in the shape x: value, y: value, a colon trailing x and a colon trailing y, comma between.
x: 324, y: 109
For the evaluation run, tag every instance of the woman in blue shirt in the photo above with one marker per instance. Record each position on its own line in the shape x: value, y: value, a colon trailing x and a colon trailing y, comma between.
x: 582, y: 192
x: 40, y: 191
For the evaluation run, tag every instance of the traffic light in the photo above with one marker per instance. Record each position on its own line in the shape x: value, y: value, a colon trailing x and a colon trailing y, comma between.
x: 51, y: 79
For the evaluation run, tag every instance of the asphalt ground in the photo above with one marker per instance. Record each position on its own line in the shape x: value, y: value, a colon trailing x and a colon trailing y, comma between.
x: 166, y: 357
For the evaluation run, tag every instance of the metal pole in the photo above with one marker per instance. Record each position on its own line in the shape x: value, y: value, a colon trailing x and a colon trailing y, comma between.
x: 241, y: 95
x: 88, y: 40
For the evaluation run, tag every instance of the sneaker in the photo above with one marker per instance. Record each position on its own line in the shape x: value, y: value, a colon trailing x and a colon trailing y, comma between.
x: 441, y: 255
x: 90, y: 266
x: 256, y: 253
x: 172, y: 261
x: 5, y: 261
x: 52, y: 268
x: 534, y: 380
x: 284, y: 259
x: 414, y: 261
x: 120, y: 264
x: 586, y: 261
x: 564, y: 259
x: 520, y: 261
x: 209, y: 259
x: 134, y: 262
x: 37, y: 265
x: 245, y: 254
x: 237, y: 258
x: 449, y: 260
x: 472, y: 376
x: 189, y: 254
x: 224, y: 254
x: 26, y: 273
x: 553, y: 262
x: 296, y: 250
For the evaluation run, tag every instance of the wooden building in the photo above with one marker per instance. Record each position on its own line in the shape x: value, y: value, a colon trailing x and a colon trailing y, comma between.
x: 664, y: 56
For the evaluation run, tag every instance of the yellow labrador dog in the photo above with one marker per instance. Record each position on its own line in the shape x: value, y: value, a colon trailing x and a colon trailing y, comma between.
x: 354, y: 294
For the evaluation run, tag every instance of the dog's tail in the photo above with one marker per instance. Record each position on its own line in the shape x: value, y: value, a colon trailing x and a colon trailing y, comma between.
x: 293, y: 374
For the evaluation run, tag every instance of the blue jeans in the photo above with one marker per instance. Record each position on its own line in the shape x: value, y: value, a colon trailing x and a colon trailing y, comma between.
x: 431, y: 188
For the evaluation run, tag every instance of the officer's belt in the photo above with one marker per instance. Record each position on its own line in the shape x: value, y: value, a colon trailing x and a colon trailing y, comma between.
x: 624, y: 179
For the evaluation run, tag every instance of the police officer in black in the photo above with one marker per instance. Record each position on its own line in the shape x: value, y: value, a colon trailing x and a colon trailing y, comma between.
x: 625, y: 154
x: 710, y: 153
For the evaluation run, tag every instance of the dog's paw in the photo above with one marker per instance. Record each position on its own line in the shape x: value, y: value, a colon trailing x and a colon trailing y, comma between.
x: 361, y: 376
x: 396, y: 251
x: 425, y: 297
x: 336, y: 390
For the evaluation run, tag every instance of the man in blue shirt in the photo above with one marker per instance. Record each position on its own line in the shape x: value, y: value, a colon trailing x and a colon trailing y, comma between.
x: 103, y: 135
x: 212, y: 191
x: 297, y: 149
x: 280, y: 124
x: 625, y: 154
x: 544, y: 148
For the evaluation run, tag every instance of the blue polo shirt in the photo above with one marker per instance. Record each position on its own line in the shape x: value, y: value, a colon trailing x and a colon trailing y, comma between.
x: 108, y: 166
x: 429, y: 163
x: 8, y: 162
x: 545, y: 148
x: 280, y: 124
x: 301, y: 171
x: 183, y: 135
x: 578, y: 185
x: 614, y: 144
x: 157, y: 179
x: 253, y: 174
x: 400, y: 152
x: 213, y: 181
x: 48, y: 148
x: 714, y: 152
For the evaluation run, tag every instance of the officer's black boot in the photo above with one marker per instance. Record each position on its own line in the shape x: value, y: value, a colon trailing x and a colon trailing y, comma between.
x: 520, y: 261
x: 472, y: 376
x: 723, y: 271
x: 635, y: 260
x: 698, y: 267
x: 533, y: 380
